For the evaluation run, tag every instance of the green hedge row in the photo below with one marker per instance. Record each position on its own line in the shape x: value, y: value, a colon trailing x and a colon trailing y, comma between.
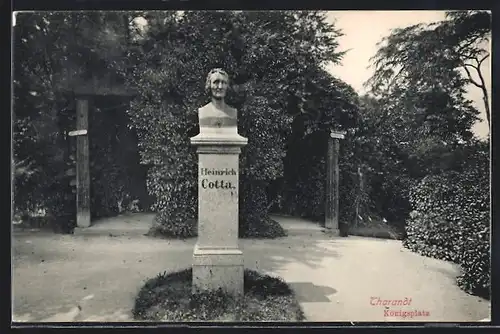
x: 451, y: 221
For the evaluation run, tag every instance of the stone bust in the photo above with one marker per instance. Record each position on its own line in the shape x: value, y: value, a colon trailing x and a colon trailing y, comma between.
x: 217, y: 116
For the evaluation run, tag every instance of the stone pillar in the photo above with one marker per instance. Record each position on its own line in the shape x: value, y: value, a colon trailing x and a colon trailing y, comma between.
x: 332, y: 184
x: 217, y: 259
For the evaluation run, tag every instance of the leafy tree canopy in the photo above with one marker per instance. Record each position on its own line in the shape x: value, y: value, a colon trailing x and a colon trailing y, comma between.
x: 444, y: 55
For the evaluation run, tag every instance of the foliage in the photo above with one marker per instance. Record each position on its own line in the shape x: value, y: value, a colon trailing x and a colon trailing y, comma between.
x: 168, y: 297
x: 305, y: 179
x: 332, y: 104
x: 434, y: 54
x: 422, y: 152
x: 450, y: 220
x: 178, y: 226
x: 54, y: 53
x: 117, y: 178
x: 383, y: 170
x: 164, y: 62
x: 408, y: 133
x: 418, y: 122
x: 262, y: 161
x: 272, y: 58
x: 39, y: 150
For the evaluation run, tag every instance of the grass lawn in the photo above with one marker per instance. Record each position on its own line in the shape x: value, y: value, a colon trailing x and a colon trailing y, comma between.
x: 168, y: 297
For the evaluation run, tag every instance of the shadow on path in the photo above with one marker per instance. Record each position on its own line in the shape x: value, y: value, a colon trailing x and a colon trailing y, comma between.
x: 275, y: 255
x: 308, y: 292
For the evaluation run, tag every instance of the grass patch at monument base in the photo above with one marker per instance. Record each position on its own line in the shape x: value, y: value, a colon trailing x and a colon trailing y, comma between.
x: 168, y: 297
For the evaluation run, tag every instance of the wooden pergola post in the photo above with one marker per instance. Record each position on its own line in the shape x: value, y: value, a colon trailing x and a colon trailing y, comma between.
x: 104, y: 84
x: 332, y: 183
x: 358, y: 196
x: 82, y: 162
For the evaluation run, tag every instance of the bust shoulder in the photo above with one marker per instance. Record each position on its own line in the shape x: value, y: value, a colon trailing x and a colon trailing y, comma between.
x: 230, y: 110
x: 205, y: 108
x: 209, y: 110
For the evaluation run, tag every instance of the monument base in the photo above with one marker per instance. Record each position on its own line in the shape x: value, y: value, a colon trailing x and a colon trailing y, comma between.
x: 215, y: 268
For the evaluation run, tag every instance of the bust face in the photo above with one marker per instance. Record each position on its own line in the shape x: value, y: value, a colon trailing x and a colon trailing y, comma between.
x: 218, y: 85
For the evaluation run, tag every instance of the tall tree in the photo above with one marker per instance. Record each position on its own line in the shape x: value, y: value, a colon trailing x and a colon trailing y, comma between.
x: 430, y: 54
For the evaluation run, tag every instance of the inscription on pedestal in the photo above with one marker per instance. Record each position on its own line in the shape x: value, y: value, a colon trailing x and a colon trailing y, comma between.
x: 211, y: 178
x: 218, y: 200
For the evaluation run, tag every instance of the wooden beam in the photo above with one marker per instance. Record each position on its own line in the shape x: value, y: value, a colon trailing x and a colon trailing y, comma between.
x: 358, y: 197
x: 335, y: 190
x: 332, y: 184
x: 82, y: 164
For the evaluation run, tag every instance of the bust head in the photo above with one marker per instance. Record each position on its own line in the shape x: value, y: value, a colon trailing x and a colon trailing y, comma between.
x: 217, y: 83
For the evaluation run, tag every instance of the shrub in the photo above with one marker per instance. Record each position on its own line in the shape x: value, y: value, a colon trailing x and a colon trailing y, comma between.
x: 450, y: 221
x: 475, y: 259
x: 265, y: 229
x: 172, y: 227
x: 254, y: 221
x: 177, y: 219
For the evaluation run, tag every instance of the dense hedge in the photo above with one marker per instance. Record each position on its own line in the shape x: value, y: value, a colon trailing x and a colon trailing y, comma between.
x: 253, y: 218
x: 177, y: 198
x: 450, y: 221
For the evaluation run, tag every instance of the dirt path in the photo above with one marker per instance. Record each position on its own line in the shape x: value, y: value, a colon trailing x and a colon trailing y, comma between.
x: 335, y: 279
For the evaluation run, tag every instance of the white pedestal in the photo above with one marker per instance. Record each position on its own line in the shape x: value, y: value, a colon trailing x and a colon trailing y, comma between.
x: 217, y: 260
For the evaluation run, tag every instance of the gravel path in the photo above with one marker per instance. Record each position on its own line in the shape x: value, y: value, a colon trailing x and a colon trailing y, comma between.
x: 95, y: 275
